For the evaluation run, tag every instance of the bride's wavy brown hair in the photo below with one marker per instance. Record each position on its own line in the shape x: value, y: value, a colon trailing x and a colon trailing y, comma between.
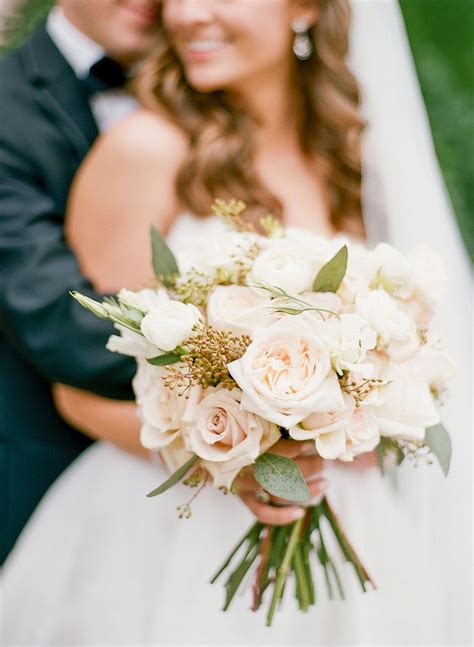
x: 220, y: 163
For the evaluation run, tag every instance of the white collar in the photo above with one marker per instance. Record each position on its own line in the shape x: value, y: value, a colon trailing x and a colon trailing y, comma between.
x: 80, y: 51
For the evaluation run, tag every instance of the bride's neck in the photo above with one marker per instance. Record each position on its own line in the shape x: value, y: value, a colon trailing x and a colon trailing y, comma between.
x: 273, y: 103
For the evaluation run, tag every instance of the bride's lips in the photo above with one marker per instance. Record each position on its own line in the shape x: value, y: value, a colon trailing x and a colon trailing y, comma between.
x: 203, y: 49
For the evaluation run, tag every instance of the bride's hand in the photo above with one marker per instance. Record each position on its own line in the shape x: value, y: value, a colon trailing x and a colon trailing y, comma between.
x: 311, y: 466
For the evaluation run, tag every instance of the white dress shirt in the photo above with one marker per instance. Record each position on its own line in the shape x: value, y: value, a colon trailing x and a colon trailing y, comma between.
x: 81, y: 52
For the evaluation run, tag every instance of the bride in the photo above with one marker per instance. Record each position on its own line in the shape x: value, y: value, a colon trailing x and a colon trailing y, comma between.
x: 251, y: 100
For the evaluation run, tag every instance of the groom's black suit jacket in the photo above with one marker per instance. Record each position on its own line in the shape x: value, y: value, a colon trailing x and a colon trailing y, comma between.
x: 46, y: 129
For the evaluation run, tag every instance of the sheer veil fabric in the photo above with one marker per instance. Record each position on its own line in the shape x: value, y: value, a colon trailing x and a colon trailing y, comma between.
x: 99, y: 564
x: 403, y: 181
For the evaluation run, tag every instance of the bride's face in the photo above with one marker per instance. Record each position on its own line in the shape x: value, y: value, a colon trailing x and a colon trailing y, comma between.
x: 224, y: 43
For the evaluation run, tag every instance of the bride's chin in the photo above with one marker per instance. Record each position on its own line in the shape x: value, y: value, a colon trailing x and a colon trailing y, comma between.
x: 204, y: 85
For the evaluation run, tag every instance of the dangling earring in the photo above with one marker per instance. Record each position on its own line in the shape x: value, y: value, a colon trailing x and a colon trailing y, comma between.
x: 302, y: 45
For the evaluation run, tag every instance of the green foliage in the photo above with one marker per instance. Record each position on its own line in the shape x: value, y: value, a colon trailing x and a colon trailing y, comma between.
x: 439, y: 442
x: 441, y: 37
x: 331, y: 274
x: 174, y: 478
x: 164, y: 360
x: 22, y: 21
x: 164, y: 263
x: 281, y: 477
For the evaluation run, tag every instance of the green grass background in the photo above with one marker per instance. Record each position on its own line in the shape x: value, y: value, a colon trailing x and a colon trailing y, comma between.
x: 441, y: 34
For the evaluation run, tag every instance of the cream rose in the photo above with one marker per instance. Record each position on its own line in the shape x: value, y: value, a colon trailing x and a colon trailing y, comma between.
x: 169, y: 322
x: 175, y: 454
x: 162, y: 411
x: 238, y: 308
x: 341, y: 434
x: 226, y: 437
x: 285, y: 373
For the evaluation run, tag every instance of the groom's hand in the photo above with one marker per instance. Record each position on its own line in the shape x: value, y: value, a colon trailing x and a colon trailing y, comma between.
x: 249, y: 490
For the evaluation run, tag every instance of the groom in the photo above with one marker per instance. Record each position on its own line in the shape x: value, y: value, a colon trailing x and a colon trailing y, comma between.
x: 57, y: 92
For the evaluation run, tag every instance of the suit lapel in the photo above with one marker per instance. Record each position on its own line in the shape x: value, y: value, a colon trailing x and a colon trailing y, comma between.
x: 58, y: 91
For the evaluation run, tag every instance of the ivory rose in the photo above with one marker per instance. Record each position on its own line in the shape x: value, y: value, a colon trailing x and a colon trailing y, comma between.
x: 285, y: 373
x: 227, y: 437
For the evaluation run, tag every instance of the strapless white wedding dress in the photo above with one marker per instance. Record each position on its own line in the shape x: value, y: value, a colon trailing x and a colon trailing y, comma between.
x: 101, y: 564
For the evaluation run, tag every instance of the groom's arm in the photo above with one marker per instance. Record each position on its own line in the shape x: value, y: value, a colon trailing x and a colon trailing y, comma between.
x: 64, y: 342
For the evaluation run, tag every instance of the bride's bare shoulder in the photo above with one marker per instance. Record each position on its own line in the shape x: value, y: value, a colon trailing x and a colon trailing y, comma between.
x: 141, y: 137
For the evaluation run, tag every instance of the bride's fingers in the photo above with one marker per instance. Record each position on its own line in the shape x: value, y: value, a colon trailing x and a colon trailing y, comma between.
x: 361, y: 462
x: 247, y: 483
x: 310, y: 465
x: 290, y: 448
x: 271, y: 514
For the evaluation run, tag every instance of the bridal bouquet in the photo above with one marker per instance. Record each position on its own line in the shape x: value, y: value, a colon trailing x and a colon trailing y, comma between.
x: 248, y: 337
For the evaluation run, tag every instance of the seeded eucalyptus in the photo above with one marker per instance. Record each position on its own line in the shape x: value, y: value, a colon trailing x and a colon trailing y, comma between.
x: 208, y: 352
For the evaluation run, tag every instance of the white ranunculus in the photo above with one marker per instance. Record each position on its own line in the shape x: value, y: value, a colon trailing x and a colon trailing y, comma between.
x: 285, y: 374
x: 435, y: 364
x: 391, y: 269
x: 226, y: 436
x: 131, y: 343
x: 169, y: 322
x: 285, y: 267
x: 238, y: 308
x: 341, y: 434
x: 428, y: 275
x: 348, y: 338
x: 396, y: 332
x: 407, y: 407
x: 221, y: 252
x: 162, y: 411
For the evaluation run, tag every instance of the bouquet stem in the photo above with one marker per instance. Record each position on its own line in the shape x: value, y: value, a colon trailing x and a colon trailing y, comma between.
x: 291, y: 549
x: 284, y: 568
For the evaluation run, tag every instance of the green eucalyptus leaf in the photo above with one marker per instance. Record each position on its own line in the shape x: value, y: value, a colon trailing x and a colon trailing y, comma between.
x: 174, y: 478
x: 281, y: 477
x: 164, y: 263
x: 388, y: 447
x: 165, y: 359
x: 439, y: 442
x: 330, y: 276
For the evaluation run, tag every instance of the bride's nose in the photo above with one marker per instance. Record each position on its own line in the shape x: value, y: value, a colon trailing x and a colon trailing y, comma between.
x: 190, y: 12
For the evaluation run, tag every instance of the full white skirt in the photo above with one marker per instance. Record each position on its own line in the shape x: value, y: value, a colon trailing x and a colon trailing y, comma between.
x: 101, y: 564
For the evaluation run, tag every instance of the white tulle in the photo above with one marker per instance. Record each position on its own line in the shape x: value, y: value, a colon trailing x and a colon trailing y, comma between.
x: 100, y: 564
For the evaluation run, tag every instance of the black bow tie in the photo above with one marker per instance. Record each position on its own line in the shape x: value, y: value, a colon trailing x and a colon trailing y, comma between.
x: 106, y: 74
